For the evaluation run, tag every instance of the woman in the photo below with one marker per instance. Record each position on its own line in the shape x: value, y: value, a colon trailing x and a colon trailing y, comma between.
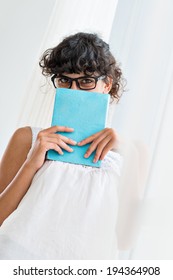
x: 55, y: 210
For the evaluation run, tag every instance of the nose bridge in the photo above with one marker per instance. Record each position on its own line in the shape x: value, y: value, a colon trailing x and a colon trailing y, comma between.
x: 74, y: 84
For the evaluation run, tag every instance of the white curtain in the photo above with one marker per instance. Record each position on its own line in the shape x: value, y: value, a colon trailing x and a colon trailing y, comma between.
x: 22, y: 27
x: 67, y: 17
x: 142, y: 39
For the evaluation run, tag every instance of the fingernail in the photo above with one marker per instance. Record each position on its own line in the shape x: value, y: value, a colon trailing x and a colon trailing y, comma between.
x: 61, y: 153
x: 74, y: 142
x: 71, y: 150
x: 86, y: 155
x: 94, y: 160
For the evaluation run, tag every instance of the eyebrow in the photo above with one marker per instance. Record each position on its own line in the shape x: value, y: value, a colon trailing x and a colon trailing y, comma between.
x: 59, y: 76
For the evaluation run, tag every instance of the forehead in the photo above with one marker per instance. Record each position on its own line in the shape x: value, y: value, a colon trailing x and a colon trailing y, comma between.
x: 73, y: 75
x: 78, y: 75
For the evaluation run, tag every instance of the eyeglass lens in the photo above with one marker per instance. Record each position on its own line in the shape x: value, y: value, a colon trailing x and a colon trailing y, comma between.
x: 82, y: 83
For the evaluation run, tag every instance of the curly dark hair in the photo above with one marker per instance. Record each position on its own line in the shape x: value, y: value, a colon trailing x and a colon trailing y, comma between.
x: 87, y: 53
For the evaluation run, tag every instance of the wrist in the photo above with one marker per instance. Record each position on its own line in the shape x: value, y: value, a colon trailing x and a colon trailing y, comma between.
x: 30, y: 167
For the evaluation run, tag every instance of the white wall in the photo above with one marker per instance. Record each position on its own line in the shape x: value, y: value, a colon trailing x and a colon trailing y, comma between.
x: 22, y: 27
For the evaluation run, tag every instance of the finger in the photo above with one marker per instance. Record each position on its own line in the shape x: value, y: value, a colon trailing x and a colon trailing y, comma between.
x: 106, y: 150
x: 64, y: 129
x: 65, y: 146
x: 64, y: 138
x: 89, y: 139
x: 68, y: 140
x: 53, y: 146
x: 57, y: 128
x: 94, y: 145
x: 101, y: 147
x: 58, y: 142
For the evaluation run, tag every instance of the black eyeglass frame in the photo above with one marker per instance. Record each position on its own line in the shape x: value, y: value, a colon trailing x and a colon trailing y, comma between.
x: 76, y: 80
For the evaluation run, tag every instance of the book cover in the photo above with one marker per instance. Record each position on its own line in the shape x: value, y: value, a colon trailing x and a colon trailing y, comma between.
x: 84, y: 111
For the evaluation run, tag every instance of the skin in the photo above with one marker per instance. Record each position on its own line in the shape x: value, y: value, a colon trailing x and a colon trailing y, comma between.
x: 17, y: 170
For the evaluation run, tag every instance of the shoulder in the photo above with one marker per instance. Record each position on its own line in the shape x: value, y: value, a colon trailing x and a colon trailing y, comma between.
x: 21, y: 140
x: 23, y: 134
x: 26, y: 135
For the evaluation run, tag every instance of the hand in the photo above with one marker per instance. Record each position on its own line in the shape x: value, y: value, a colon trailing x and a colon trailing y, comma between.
x: 48, y: 139
x: 102, y: 141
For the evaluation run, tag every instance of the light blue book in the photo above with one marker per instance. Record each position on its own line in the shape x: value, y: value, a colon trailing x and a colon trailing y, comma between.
x: 84, y: 111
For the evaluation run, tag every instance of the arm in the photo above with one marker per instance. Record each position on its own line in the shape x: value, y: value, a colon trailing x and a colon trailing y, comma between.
x: 14, y: 156
x: 15, y: 174
x: 17, y: 171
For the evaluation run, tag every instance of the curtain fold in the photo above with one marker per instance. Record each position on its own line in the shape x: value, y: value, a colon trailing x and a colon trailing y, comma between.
x: 67, y: 17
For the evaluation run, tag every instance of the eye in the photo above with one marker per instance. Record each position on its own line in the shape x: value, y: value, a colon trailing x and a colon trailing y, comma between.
x: 87, y: 81
x: 63, y: 80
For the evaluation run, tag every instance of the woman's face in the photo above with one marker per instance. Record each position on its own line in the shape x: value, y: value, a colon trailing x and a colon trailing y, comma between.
x: 101, y: 86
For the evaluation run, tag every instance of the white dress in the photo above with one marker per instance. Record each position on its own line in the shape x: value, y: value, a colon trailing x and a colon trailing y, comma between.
x: 69, y: 212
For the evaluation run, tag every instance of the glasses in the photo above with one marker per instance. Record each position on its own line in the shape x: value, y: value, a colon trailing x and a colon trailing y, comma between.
x: 86, y: 82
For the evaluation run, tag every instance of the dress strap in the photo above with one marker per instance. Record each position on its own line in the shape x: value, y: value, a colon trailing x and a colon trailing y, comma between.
x: 35, y: 131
